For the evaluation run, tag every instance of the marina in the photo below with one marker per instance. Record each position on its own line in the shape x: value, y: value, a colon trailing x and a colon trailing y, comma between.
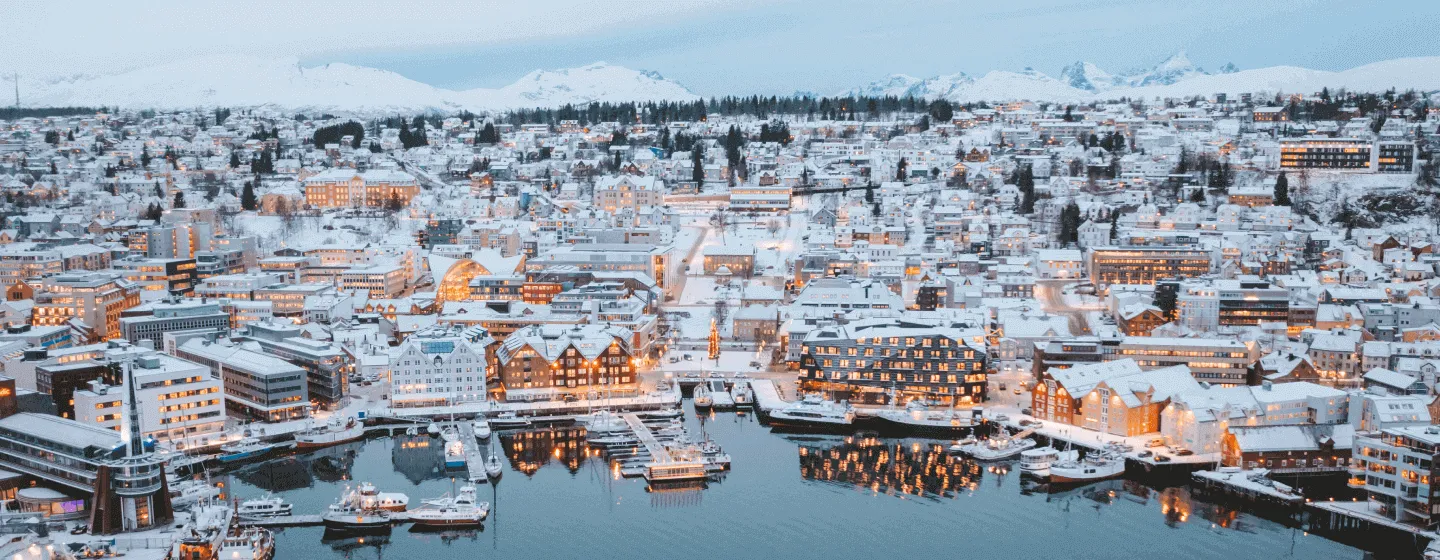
x: 554, y: 476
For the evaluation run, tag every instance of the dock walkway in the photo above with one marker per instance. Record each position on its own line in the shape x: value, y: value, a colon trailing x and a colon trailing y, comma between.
x: 767, y: 396
x: 658, y: 452
x: 474, y: 456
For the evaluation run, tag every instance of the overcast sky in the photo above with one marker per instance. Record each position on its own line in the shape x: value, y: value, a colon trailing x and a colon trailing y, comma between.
x: 718, y: 46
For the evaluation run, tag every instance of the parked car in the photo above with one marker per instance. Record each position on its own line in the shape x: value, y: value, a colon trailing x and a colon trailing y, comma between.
x: 1017, y: 390
x: 1184, y: 452
x: 1145, y: 453
x: 1002, y: 386
x: 1026, y: 411
x: 1162, y: 458
x: 674, y: 359
x: 1156, y: 442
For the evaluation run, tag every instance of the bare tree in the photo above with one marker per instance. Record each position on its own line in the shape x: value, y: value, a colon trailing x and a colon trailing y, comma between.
x: 772, y: 226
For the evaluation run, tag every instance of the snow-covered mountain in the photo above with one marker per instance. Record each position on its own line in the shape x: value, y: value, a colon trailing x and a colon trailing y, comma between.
x: 237, y: 80
x: 1175, y: 77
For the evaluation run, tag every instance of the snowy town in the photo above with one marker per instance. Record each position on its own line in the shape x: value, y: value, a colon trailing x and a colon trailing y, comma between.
x: 1238, y: 294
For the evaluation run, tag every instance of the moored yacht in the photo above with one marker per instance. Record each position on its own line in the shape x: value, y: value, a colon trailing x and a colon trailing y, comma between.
x: 269, y: 506
x: 461, y: 510
x: 998, y: 448
x: 334, y: 432
x: 482, y: 429
x: 509, y: 420
x: 814, y: 413
x: 368, y: 497
x: 702, y: 397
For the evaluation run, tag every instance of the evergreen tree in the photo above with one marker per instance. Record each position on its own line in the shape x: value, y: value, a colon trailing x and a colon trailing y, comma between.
x: 1025, y: 180
x: 1198, y: 196
x: 179, y: 199
x: 1070, y: 224
x: 901, y: 168
x: 144, y: 157
x: 697, y: 163
x: 1282, y: 190
x: 1114, y: 225
x: 247, y: 197
x: 160, y: 191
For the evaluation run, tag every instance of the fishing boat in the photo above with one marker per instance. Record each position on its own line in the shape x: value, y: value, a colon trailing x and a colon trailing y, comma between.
x: 1096, y: 466
x: 509, y: 420
x: 248, y: 448
x: 741, y: 393
x: 269, y: 506
x: 814, y: 413
x: 702, y: 397
x: 462, y: 510
x: 998, y: 448
x: 369, y: 497
x: 334, y: 432
x: 212, y: 532
x: 482, y: 429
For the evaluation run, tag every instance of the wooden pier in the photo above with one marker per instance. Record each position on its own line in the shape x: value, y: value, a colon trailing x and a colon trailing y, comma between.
x: 474, y: 456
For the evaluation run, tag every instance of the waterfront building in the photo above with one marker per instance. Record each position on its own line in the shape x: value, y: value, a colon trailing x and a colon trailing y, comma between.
x: 441, y: 366
x: 327, y: 366
x: 879, y: 360
x: 1117, y: 397
x: 257, y: 386
x: 1396, y: 467
x: 549, y: 362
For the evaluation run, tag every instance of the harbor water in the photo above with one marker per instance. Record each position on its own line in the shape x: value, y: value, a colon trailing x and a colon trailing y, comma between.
x: 787, y: 496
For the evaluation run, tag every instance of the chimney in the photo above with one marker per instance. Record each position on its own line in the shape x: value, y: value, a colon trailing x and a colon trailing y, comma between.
x: 1267, y: 385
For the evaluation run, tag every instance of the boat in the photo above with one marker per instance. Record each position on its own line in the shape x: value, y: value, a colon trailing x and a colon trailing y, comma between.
x: 814, y: 413
x: 186, y: 493
x: 742, y: 394
x: 412, y: 431
x: 454, y: 455
x: 493, y: 468
x: 604, y: 422
x: 702, y: 397
x: 509, y: 420
x: 462, y: 510
x: 212, y: 532
x: 998, y: 448
x: 371, y: 498
x: 482, y: 429
x: 917, y: 417
x: 347, y: 517
x: 1037, y: 461
x: 433, y: 429
x: 269, y: 506
x: 1095, y: 466
x: 662, y: 414
x: 358, y: 508
x: 719, y: 395
x: 248, y: 448
x: 450, y: 433
x: 334, y: 432
x: 959, y: 445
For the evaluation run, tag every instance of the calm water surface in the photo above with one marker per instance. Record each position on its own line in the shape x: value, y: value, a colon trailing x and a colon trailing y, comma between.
x: 787, y: 496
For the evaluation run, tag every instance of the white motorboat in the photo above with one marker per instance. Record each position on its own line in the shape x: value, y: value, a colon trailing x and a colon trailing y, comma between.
x: 450, y: 433
x: 662, y: 414
x: 334, y: 432
x: 997, y: 448
x: 604, y: 422
x: 702, y: 397
x: 814, y: 413
x: 368, y: 497
x: 461, y: 510
x: 248, y: 448
x: 509, y: 420
x: 269, y: 506
x: 741, y: 393
x: 959, y: 445
x: 412, y: 431
x: 1037, y: 462
x: 1096, y: 466
x: 482, y: 429
x: 357, y: 509
x: 433, y: 429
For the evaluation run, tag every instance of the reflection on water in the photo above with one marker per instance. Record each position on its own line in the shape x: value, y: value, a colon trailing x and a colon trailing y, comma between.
x: 889, y: 467
x: 348, y: 543
x: 531, y: 449
x: 302, y: 470
x: 418, y: 458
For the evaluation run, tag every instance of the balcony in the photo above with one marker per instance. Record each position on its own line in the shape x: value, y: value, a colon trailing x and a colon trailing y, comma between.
x: 1355, y: 482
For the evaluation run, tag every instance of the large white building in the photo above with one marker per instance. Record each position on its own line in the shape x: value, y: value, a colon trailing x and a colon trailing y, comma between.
x: 440, y: 366
x: 179, y: 401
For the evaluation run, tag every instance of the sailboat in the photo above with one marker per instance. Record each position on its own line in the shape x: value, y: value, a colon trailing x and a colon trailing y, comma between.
x: 493, y: 468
